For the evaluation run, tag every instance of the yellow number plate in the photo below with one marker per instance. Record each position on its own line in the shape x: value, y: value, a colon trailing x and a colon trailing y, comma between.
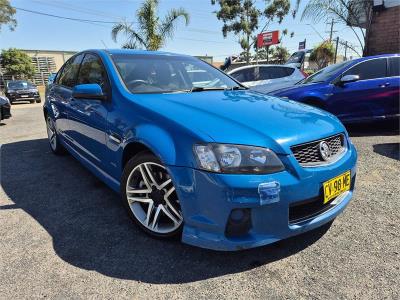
x: 335, y: 186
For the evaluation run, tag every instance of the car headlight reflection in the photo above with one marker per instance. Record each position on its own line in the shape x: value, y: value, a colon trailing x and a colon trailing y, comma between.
x: 238, y: 159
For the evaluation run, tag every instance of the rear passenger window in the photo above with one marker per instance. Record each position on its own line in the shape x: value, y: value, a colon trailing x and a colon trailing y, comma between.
x: 69, y: 72
x: 394, y: 66
x: 274, y: 72
x: 244, y: 75
x: 370, y: 69
x: 92, y: 71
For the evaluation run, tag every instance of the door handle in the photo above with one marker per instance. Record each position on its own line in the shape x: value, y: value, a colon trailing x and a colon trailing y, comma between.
x: 383, y: 85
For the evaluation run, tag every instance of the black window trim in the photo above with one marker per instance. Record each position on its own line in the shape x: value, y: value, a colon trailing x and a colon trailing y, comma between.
x: 388, y: 71
x: 109, y: 92
x: 337, y: 79
x: 63, y: 67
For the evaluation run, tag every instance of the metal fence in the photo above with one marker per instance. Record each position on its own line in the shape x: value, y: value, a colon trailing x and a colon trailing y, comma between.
x: 43, y: 65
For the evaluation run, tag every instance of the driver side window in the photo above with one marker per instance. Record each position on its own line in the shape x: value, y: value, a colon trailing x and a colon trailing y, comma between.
x: 92, y: 71
x: 370, y: 69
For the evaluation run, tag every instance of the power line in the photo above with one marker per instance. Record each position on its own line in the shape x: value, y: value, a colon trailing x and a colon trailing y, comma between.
x: 66, y: 18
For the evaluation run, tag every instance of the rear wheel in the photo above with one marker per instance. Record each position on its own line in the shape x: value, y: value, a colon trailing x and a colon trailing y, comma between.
x: 150, y: 198
x: 54, y: 142
x: 38, y: 101
x: 32, y: 101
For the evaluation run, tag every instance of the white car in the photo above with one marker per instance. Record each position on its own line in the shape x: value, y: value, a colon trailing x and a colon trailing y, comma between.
x: 266, y: 78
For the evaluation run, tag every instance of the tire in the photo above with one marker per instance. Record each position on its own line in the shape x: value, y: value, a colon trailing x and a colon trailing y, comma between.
x: 31, y: 101
x: 38, y: 101
x: 149, y: 197
x: 54, y: 140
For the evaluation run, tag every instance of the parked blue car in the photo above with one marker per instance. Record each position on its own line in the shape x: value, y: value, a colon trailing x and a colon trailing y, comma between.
x: 211, y: 162
x: 358, y: 90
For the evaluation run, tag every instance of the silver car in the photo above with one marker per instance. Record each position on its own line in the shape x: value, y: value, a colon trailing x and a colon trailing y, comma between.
x: 266, y: 78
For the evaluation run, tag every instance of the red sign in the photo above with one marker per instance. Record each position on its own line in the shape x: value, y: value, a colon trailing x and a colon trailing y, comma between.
x: 268, y: 38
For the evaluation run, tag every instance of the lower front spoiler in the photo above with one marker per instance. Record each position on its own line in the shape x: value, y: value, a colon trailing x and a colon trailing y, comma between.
x: 214, y: 241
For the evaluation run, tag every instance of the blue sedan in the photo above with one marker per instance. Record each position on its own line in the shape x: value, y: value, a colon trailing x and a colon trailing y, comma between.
x: 209, y: 161
x: 358, y: 90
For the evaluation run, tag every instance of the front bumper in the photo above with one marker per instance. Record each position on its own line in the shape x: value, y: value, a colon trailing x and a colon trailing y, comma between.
x: 23, y: 97
x: 207, y: 200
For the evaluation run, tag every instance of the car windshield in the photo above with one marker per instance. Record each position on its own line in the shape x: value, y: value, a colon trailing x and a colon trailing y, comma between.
x: 20, y: 85
x: 296, y: 57
x: 326, y: 73
x: 168, y: 74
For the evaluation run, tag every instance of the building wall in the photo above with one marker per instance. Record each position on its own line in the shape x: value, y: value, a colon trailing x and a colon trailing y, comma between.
x: 385, y: 32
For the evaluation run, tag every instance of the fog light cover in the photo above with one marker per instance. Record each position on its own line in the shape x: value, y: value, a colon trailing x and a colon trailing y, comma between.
x: 269, y: 192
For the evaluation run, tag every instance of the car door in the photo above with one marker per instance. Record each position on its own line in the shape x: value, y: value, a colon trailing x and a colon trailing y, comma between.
x: 59, y: 95
x: 88, y: 117
x: 365, y: 98
x: 393, y: 87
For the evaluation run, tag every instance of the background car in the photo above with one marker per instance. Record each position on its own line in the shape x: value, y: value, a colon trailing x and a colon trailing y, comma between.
x: 5, y: 108
x: 299, y: 59
x: 22, y: 90
x: 359, y: 90
x: 265, y: 78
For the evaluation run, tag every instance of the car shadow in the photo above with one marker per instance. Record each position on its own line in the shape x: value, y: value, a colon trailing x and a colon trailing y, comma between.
x: 90, y: 229
x: 391, y: 150
x: 382, y: 128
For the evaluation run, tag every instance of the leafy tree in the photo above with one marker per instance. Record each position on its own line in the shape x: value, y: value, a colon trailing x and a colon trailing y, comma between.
x: 342, y: 11
x: 241, y: 17
x: 7, y: 13
x: 281, y: 54
x: 17, y: 63
x: 152, y: 33
x: 323, y: 54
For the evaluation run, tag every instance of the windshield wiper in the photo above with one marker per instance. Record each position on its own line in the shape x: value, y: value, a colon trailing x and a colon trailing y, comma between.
x: 238, y: 87
x: 202, y: 89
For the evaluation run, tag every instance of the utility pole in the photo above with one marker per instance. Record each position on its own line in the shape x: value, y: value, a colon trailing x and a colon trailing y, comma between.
x: 337, y: 44
x: 345, y: 51
x: 330, y: 35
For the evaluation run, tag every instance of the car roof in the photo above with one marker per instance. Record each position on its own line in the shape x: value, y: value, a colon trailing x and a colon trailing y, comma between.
x: 259, y: 65
x: 134, y: 52
x: 375, y: 56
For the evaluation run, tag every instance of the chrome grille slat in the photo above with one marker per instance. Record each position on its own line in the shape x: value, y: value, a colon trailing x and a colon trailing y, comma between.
x: 308, y: 154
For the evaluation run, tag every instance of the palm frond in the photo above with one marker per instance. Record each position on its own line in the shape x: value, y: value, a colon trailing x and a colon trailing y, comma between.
x: 133, y: 37
x: 168, y: 25
x: 148, y: 19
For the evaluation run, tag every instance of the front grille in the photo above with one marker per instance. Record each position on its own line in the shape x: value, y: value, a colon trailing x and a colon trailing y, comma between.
x: 309, y: 154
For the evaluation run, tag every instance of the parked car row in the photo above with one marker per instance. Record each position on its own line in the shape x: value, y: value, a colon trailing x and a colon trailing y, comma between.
x: 357, y: 90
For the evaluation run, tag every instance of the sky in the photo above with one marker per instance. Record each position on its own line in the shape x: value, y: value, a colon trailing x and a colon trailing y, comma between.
x: 202, y: 36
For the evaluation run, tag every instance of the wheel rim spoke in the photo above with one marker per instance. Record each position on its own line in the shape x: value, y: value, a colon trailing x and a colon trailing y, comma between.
x: 149, y: 211
x: 138, y: 199
x: 155, y: 218
x: 165, y: 183
x: 169, y: 215
x: 171, y: 207
x: 131, y: 190
x: 169, y: 192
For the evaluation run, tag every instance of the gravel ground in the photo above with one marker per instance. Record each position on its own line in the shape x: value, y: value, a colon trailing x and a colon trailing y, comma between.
x: 64, y: 234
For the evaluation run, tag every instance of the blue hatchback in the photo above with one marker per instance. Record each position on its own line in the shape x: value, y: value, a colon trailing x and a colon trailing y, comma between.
x: 206, y: 160
x: 358, y: 90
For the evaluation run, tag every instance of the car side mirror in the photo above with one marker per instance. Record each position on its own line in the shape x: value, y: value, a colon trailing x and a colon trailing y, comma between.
x: 349, y: 78
x: 88, y: 91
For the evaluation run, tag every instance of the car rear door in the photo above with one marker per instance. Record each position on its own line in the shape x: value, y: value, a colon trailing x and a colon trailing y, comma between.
x: 88, y: 117
x: 59, y: 95
x: 364, y: 99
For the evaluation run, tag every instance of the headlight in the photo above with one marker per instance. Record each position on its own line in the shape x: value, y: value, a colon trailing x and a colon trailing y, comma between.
x: 11, y: 91
x: 239, y: 159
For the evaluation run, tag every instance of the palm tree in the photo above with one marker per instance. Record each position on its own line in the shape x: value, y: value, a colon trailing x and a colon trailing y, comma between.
x: 151, y: 32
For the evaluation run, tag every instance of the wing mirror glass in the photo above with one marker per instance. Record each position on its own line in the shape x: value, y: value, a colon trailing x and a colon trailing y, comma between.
x: 88, y: 91
x: 349, y: 78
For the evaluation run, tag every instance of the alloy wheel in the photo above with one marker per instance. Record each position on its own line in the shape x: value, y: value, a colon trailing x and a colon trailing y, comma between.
x: 152, y: 198
x: 51, y: 133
